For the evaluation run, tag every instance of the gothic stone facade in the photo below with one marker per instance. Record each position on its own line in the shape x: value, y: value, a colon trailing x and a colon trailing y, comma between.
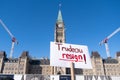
x: 27, y: 65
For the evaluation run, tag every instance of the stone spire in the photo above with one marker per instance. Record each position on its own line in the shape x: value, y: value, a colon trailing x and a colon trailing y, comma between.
x: 59, y: 19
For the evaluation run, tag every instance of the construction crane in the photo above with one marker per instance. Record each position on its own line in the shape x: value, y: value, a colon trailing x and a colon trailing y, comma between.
x: 105, y: 41
x: 12, y: 37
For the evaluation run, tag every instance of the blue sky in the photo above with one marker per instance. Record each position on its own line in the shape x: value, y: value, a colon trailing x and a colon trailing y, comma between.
x: 32, y: 22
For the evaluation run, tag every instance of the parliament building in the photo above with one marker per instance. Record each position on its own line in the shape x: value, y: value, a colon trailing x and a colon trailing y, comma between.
x: 25, y: 64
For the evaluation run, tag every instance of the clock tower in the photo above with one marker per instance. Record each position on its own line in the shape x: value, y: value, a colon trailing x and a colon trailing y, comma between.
x: 59, y: 34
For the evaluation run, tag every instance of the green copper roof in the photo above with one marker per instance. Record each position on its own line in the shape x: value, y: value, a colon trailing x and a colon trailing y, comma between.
x: 59, y: 19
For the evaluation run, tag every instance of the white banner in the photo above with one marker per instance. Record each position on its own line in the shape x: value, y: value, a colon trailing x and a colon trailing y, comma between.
x: 62, y: 54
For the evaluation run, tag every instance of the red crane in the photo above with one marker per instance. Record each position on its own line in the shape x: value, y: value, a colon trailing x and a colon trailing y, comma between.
x: 12, y: 37
x: 105, y: 41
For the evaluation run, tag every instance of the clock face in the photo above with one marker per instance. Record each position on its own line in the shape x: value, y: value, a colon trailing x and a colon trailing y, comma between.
x: 60, y: 25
